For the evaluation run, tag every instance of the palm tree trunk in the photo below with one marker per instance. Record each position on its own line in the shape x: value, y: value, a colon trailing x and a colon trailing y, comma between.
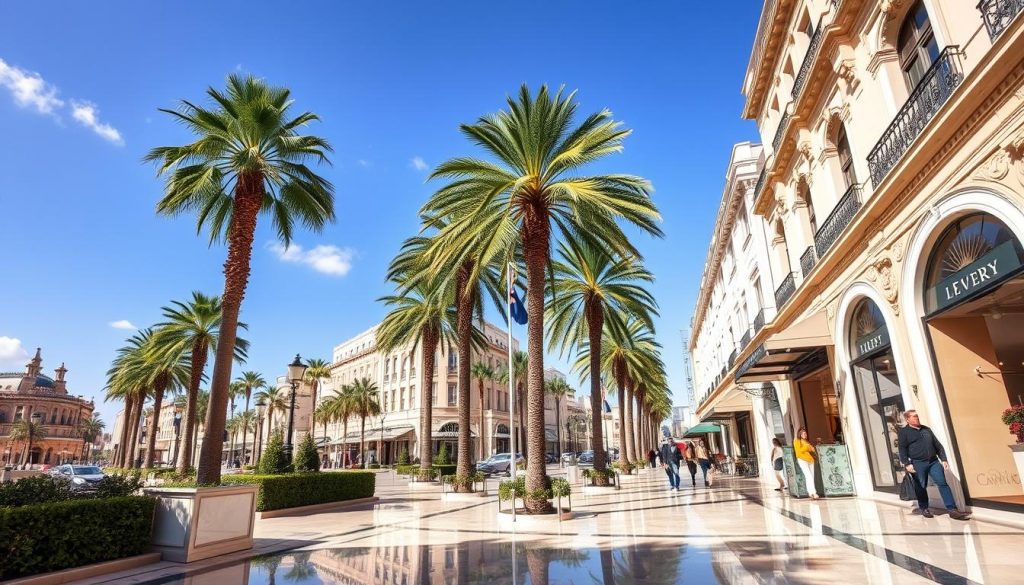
x: 536, y: 242
x: 136, y: 424
x: 595, y: 324
x: 431, y: 338
x: 520, y: 414
x: 628, y: 447
x: 362, y: 440
x: 481, y: 450
x: 558, y: 428
x: 634, y: 422
x: 344, y: 455
x: 247, y: 202
x: 198, y: 364
x: 158, y: 399
x: 464, y: 333
x: 618, y: 370
x: 312, y: 409
x: 129, y: 405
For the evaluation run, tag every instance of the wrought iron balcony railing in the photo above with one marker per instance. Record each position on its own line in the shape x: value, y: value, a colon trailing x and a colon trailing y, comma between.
x: 931, y: 93
x: 759, y: 322
x: 809, y: 56
x: 998, y: 14
x: 760, y: 182
x: 807, y: 261
x: 837, y: 221
x: 780, y: 132
x: 732, y: 359
x: 785, y: 290
x: 745, y: 339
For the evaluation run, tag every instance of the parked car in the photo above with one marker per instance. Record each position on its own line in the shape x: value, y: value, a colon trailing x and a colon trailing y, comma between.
x: 82, y: 477
x: 586, y: 458
x: 550, y: 458
x: 498, y: 463
x: 569, y: 456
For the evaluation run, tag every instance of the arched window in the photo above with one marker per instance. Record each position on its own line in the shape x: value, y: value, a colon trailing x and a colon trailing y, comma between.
x: 805, y: 196
x: 954, y: 270
x: 452, y: 427
x: 845, y: 158
x: 867, y: 318
x: 917, y: 47
x: 501, y: 429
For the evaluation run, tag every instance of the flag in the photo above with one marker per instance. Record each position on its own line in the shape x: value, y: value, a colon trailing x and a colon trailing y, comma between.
x: 607, y: 407
x: 517, y: 308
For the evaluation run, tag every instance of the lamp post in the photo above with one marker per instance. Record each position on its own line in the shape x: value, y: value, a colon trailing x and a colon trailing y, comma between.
x: 177, y: 437
x: 261, y: 410
x: 296, y: 372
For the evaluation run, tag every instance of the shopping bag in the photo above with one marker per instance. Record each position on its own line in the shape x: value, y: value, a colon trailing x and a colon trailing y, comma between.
x: 908, y: 488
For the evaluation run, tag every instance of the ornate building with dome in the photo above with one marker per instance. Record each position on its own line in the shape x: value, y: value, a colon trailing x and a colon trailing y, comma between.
x: 32, y: 395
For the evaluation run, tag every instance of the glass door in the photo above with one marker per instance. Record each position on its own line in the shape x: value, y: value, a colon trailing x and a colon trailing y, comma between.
x: 881, y: 405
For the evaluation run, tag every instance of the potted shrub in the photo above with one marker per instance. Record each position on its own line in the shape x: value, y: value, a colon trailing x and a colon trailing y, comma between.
x: 1013, y: 418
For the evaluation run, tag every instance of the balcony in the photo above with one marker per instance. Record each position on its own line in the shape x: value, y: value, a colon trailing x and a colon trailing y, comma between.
x: 760, y: 182
x: 745, y: 340
x: 785, y: 290
x: 809, y: 56
x: 807, y: 261
x: 931, y: 93
x: 732, y: 359
x: 780, y: 132
x: 759, y: 322
x: 998, y: 14
x: 837, y: 221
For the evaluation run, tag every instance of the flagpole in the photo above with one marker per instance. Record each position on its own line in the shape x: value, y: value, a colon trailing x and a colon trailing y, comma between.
x: 512, y: 397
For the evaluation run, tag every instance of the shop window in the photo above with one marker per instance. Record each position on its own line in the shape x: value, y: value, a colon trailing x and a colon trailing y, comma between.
x: 916, y: 47
x: 452, y: 394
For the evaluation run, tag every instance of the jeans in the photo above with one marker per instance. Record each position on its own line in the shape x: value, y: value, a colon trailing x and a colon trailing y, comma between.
x: 922, y: 471
x: 807, y: 468
x: 672, y: 470
x: 692, y: 467
x: 705, y: 465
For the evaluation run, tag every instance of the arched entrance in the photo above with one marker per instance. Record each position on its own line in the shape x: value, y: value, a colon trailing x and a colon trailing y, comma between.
x: 879, y: 396
x: 973, y: 305
x: 447, y: 435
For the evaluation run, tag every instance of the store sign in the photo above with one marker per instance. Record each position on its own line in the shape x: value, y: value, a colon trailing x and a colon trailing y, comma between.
x: 872, y: 341
x: 981, y: 274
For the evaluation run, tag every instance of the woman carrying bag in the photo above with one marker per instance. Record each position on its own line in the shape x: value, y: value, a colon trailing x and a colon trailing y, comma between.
x: 777, y: 464
x: 805, y: 455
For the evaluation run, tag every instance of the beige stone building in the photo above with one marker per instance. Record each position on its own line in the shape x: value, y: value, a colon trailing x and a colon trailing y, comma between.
x: 32, y: 395
x: 892, y: 194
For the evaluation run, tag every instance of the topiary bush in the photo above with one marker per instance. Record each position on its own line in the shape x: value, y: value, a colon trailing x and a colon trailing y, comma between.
x: 273, y: 460
x: 37, y: 489
x: 306, y: 459
x: 560, y: 487
x: 406, y: 469
x: 291, y: 490
x: 403, y: 457
x: 443, y: 457
x: 39, y: 538
x: 512, y: 488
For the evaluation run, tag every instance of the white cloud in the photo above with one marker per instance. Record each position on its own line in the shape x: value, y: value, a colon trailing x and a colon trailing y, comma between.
x: 325, y: 259
x: 123, y: 324
x: 363, y: 162
x: 418, y: 163
x: 11, y: 349
x: 87, y: 114
x: 29, y: 89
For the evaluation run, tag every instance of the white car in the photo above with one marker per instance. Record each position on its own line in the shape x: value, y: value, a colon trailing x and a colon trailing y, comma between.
x: 82, y: 477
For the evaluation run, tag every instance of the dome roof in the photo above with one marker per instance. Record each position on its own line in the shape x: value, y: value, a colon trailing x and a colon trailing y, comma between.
x: 44, y: 381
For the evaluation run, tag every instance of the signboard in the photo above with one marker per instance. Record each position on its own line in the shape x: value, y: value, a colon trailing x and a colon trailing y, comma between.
x: 794, y: 477
x: 872, y: 341
x: 979, y: 275
x: 836, y: 472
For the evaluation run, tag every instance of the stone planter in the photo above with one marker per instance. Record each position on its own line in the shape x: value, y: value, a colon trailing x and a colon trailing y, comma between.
x: 425, y: 486
x: 1018, y: 458
x: 192, y: 524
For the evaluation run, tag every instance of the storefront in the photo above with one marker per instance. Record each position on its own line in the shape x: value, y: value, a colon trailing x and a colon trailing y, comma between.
x: 973, y: 317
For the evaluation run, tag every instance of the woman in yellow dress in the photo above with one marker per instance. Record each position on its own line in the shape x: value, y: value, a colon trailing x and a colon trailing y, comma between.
x: 805, y: 454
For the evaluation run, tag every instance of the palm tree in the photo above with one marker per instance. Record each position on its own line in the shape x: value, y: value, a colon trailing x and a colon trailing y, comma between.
x: 251, y: 381
x: 274, y: 398
x: 26, y: 430
x: 90, y: 427
x: 340, y: 407
x: 482, y: 372
x: 588, y: 287
x: 202, y: 411
x: 248, y: 158
x: 124, y: 381
x: 365, y: 404
x: 520, y: 365
x: 236, y: 390
x: 195, y: 326
x: 533, y: 191
x: 316, y: 370
x: 558, y: 389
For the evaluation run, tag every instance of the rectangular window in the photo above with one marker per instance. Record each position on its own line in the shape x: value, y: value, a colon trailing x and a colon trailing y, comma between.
x: 412, y: 397
x: 452, y: 394
x: 403, y: 399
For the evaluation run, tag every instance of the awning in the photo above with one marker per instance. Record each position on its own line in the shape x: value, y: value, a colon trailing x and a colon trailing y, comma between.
x: 795, y: 349
x: 390, y: 433
x: 703, y: 428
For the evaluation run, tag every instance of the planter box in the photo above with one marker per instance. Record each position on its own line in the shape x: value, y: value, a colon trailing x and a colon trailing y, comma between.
x: 1018, y: 458
x: 192, y: 524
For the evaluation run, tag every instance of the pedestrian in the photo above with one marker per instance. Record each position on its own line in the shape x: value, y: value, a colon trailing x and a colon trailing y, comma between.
x: 704, y: 460
x: 691, y: 462
x: 777, y: 465
x: 923, y: 456
x: 652, y: 457
x: 805, y: 454
x: 670, y: 458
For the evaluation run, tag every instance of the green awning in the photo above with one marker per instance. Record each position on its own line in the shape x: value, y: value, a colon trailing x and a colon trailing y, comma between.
x: 703, y: 428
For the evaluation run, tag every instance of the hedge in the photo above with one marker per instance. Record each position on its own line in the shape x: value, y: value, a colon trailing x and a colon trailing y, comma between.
x: 49, y: 537
x: 290, y: 490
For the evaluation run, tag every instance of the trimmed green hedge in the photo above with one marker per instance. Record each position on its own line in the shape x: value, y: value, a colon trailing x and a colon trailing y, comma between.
x: 49, y: 537
x: 290, y: 490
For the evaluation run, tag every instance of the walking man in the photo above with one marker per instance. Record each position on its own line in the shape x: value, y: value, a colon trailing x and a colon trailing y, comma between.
x: 922, y: 455
x: 670, y: 458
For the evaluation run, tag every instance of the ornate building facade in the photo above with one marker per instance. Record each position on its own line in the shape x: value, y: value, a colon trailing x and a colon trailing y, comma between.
x: 33, y: 396
x: 892, y: 193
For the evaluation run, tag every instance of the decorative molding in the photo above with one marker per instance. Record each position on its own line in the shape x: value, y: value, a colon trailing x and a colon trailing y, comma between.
x: 847, y: 71
x: 879, y: 57
x: 884, y: 271
x: 995, y: 168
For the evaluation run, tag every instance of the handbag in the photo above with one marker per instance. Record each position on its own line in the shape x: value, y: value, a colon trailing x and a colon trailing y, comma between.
x: 908, y: 488
x: 778, y: 464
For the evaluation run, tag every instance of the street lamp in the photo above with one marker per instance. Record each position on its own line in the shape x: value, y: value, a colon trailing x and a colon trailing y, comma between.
x: 177, y: 437
x: 296, y: 372
x: 261, y: 410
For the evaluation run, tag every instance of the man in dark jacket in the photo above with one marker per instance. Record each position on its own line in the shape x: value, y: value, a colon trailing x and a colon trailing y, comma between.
x: 670, y: 458
x: 922, y: 455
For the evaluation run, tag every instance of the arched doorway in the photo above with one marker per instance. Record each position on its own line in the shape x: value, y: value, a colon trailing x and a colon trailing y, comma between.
x: 974, y: 314
x: 879, y: 395
x: 447, y: 435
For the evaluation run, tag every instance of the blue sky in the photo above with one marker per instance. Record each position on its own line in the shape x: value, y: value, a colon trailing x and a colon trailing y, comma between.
x: 79, y: 92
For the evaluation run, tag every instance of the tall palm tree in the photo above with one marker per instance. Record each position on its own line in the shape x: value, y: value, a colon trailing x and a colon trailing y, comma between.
x: 195, y: 326
x: 274, y: 399
x: 316, y: 370
x: 531, y: 192
x: 251, y: 381
x: 90, y: 427
x: 365, y: 403
x: 236, y: 390
x: 123, y: 381
x: 340, y: 407
x: 202, y: 410
x: 26, y: 430
x: 558, y: 389
x: 589, y: 285
x: 482, y: 372
x: 248, y: 158
x: 520, y: 365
